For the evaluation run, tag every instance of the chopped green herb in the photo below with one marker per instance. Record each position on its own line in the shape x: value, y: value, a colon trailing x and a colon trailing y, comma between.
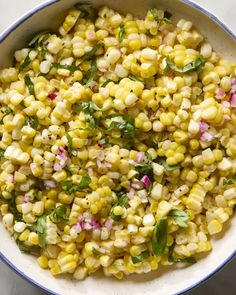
x: 127, y: 126
x: 87, y: 10
x: 12, y: 206
x: 58, y: 215
x: 1, y: 153
x: 161, y: 21
x: 37, y: 38
x: 39, y: 185
x: 33, y: 250
x: 93, y: 72
x: 145, y: 168
x: 180, y: 217
x: 230, y: 180
x: 89, y: 55
x: 29, y: 84
x: 41, y: 228
x: 32, y: 122
x: 140, y: 258
x: 87, y: 107
x: 123, y: 202
x: 177, y: 260
x: 134, y: 78
x: 168, y: 168
x: 69, y: 143
x: 70, y: 68
x: 96, y: 253
x: 7, y: 112
x: 196, y: 65
x: 25, y: 63
x: 159, y: 237
x: 122, y: 33
x: 72, y: 188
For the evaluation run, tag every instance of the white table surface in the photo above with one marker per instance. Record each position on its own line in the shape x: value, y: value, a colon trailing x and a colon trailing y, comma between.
x: 222, y: 283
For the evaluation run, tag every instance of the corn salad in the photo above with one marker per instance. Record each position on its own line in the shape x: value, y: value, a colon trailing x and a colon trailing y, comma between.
x: 118, y: 144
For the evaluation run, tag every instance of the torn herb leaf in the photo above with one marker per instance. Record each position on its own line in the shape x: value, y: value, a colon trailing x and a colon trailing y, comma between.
x: 89, y: 55
x: 41, y: 228
x: 70, y: 68
x: 160, y: 20
x: 159, y: 237
x: 93, y: 72
x: 196, y: 65
x: 96, y: 253
x: 25, y: 63
x: 88, y: 107
x: 72, y: 188
x: 29, y: 84
x: 123, y: 202
x: 180, y: 217
x: 69, y: 143
x: 122, y: 33
x: 126, y: 125
x: 145, y: 168
x: 134, y: 78
x: 167, y: 14
x: 7, y: 111
x: 168, y: 168
x: 179, y: 260
x: 33, y: 250
x: 59, y: 215
x: 32, y: 122
x: 230, y: 180
x: 140, y: 258
x: 37, y: 38
x: 12, y: 206
x: 87, y: 10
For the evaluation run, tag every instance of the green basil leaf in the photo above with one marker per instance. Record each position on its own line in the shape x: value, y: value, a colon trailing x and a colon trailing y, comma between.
x: 127, y: 126
x: 87, y: 107
x: 230, y: 180
x: 168, y: 168
x: 58, y: 215
x: 167, y: 14
x: 145, y: 168
x: 134, y: 78
x: 140, y: 258
x: 122, y: 201
x: 122, y: 33
x: 159, y: 237
x: 32, y: 122
x: 41, y: 228
x: 93, y: 72
x: 33, y: 250
x: 69, y: 143
x: 6, y: 112
x: 179, y: 260
x: 38, y: 38
x: 25, y: 63
x: 180, y: 217
x: 196, y: 65
x: 12, y: 206
x: 96, y: 253
x: 89, y: 55
x: 160, y: 21
x: 72, y: 188
x: 29, y: 84
x: 70, y: 68
x: 87, y: 10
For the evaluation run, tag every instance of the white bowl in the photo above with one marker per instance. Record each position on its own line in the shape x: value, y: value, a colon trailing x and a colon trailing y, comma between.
x: 170, y: 281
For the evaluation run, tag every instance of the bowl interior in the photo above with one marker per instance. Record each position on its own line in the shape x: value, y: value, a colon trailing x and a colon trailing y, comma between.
x: 161, y: 281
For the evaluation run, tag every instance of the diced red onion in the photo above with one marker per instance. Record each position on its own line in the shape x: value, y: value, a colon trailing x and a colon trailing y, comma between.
x: 99, y: 164
x: 225, y: 104
x: 203, y: 127
x: 132, y: 162
x: 139, y: 157
x: 57, y: 167
x: 49, y: 183
x: 108, y: 224
x: 101, y: 155
x: 87, y: 226
x: 96, y: 224
x: 146, y: 182
x: 52, y: 96
x: 233, y: 81
x: 232, y: 100
x: 26, y: 199
x: 206, y: 136
x: 78, y: 227
x: 130, y: 194
x: 220, y: 93
x: 90, y: 171
x: 227, y: 118
x: 71, y: 124
x: 107, y: 165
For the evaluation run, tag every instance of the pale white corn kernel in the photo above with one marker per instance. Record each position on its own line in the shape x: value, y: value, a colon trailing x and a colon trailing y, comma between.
x: 206, y: 50
x: 130, y: 99
x: 26, y: 208
x: 157, y: 169
x: 132, y: 228
x: 19, y: 227
x: 181, y: 191
x: 45, y: 66
x: 8, y: 220
x: 120, y: 71
x: 193, y: 127
x: 157, y: 191
x: 113, y: 56
x: 148, y: 220
x: 149, y: 54
x: 230, y: 193
x: 80, y: 273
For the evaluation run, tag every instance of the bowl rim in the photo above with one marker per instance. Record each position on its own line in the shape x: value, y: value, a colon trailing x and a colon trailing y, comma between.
x: 11, y: 28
